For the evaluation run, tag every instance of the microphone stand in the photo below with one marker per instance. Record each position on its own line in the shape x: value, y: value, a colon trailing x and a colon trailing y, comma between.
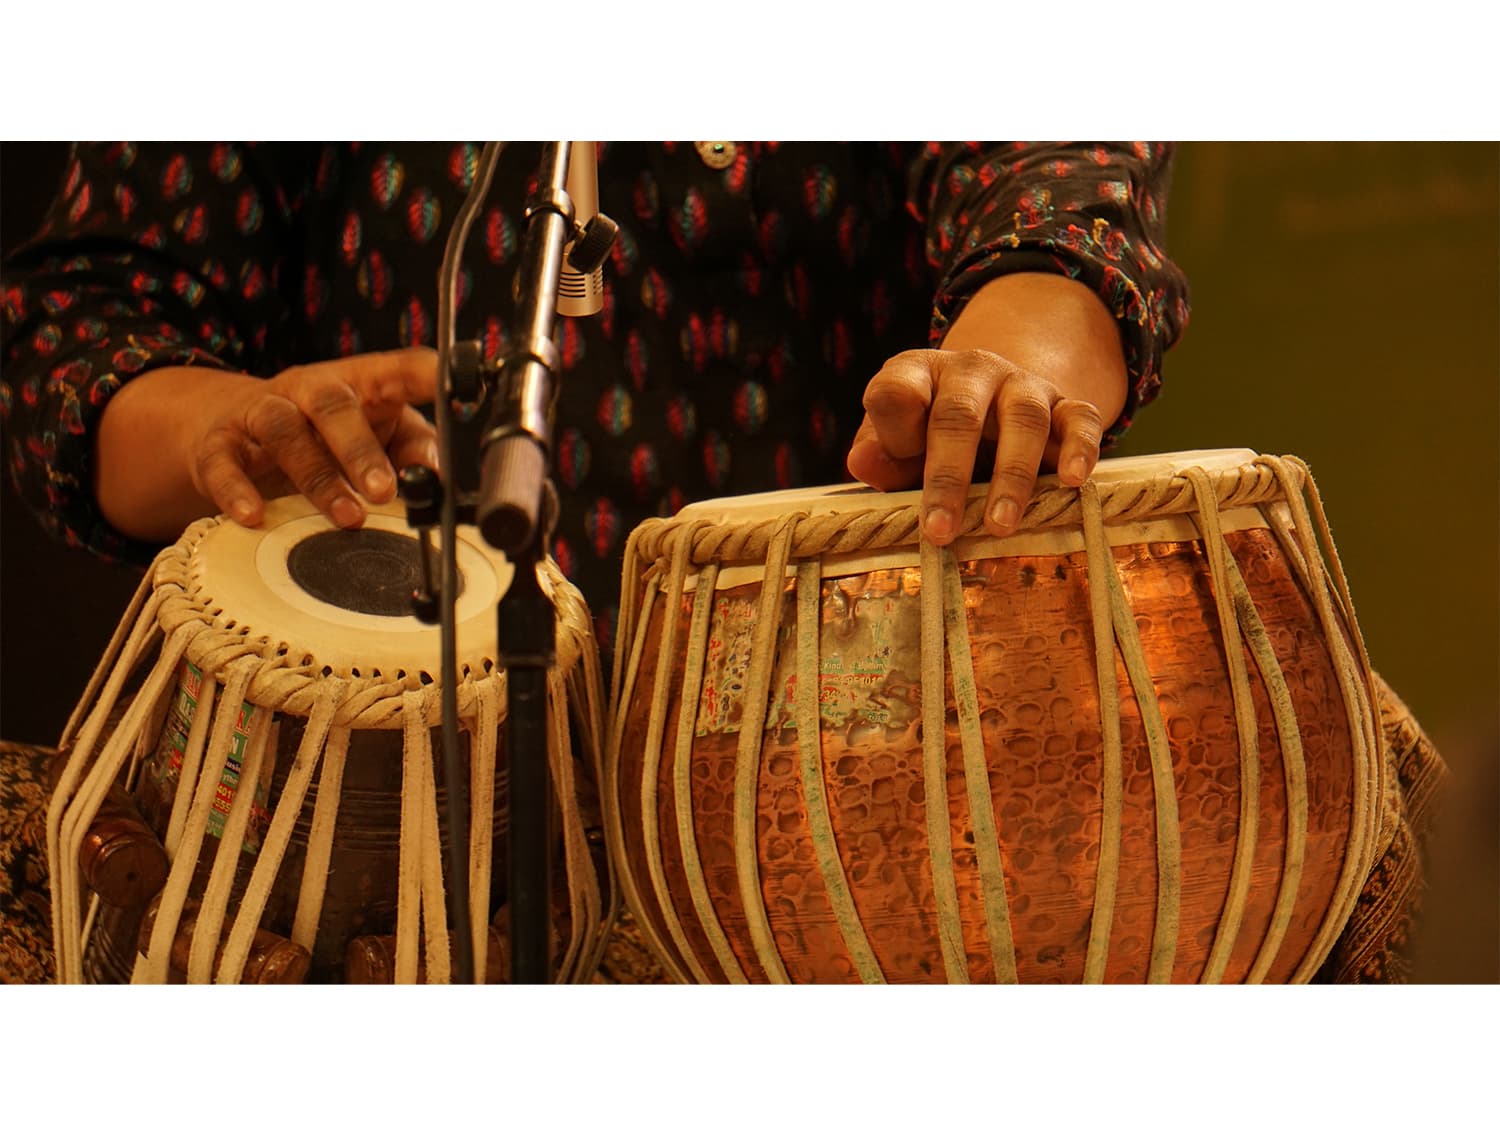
x: 500, y: 483
x: 513, y: 476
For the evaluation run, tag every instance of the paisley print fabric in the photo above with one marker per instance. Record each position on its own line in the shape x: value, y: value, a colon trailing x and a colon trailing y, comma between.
x: 753, y: 291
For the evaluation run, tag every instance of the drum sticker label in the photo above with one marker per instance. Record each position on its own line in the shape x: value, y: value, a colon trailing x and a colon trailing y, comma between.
x: 726, y: 666
x: 166, y: 769
x: 870, y: 635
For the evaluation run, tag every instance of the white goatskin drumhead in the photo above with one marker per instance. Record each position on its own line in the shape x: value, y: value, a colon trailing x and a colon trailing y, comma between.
x: 246, y: 573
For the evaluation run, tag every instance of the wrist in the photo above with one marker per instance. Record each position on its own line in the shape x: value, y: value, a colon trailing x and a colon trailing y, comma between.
x: 145, y: 479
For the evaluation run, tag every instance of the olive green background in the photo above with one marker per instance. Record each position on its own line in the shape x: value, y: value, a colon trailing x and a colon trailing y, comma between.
x: 1346, y: 308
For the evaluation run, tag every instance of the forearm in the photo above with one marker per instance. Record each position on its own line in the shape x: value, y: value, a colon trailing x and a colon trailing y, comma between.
x: 1053, y: 327
x: 118, y: 284
x: 143, y: 480
x: 1094, y: 213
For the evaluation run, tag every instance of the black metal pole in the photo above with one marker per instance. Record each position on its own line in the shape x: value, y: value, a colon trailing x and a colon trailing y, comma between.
x: 455, y: 465
x: 526, y: 631
x: 512, y: 516
x: 505, y: 491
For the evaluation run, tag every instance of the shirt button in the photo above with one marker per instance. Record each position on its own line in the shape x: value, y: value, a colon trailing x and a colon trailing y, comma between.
x: 718, y: 155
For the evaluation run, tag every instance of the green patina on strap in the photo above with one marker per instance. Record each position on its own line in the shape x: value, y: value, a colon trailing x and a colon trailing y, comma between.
x: 747, y: 758
x: 682, y: 777
x: 1294, y: 772
x: 215, y: 904
x: 1163, y: 785
x: 935, y: 770
x: 814, y: 792
x: 628, y: 672
x: 977, y: 778
x: 1219, y: 562
x: 185, y: 862
x: 1111, y: 784
x: 651, y: 766
x: 1365, y: 744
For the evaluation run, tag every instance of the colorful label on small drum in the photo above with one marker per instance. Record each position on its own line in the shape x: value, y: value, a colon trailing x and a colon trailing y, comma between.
x: 172, y: 747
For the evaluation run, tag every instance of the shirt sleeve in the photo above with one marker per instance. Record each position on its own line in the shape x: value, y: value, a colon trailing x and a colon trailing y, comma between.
x: 1092, y: 212
x: 150, y: 256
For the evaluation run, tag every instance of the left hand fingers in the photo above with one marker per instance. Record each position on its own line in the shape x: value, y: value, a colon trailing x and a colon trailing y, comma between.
x: 1037, y: 424
x: 967, y: 385
x: 869, y: 461
x: 927, y: 413
x: 408, y: 437
x: 1024, y: 417
x: 1077, y: 430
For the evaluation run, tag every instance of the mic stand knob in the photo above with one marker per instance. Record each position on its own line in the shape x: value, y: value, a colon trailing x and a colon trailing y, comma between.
x: 466, y: 378
x: 422, y: 491
x: 592, y: 243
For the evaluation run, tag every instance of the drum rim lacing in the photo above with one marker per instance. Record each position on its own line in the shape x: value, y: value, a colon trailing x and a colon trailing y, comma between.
x: 287, y: 676
x: 874, y: 528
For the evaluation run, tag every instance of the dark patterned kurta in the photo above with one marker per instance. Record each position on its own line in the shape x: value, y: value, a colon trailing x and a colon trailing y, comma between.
x: 746, y: 306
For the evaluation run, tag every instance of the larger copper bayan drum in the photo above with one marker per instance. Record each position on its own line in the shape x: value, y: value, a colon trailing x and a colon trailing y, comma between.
x: 1132, y: 742
x: 282, y: 749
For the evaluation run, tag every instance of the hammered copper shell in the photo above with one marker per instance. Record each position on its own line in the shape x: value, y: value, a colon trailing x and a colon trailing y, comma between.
x: 1030, y: 629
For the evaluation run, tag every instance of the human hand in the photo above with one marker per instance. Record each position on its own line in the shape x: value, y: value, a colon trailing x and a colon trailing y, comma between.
x: 332, y: 431
x: 1034, y: 366
x: 178, y: 443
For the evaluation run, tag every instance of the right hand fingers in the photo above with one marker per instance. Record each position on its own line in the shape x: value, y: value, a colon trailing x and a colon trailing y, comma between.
x: 322, y: 426
x: 356, y: 405
x: 274, y: 427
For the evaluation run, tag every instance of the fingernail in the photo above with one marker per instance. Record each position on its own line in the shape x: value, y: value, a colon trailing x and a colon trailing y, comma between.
x: 1005, y: 514
x: 242, y: 510
x: 378, y: 482
x: 1078, y: 468
x: 939, y: 525
x: 430, y: 454
x: 346, y: 513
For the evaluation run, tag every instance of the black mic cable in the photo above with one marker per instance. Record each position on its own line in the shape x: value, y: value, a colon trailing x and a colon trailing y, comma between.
x: 454, y: 775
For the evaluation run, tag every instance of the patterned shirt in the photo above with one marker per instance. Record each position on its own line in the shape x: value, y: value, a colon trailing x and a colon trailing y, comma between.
x: 752, y: 292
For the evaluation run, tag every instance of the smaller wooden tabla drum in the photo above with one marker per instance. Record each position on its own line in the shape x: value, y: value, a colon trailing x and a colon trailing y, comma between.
x: 1132, y: 742
x: 279, y: 741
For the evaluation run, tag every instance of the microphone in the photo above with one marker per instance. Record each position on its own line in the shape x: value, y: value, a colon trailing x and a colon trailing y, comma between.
x: 567, y: 240
x: 581, y: 293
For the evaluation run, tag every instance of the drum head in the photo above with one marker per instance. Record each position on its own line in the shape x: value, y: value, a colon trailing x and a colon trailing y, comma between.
x: 345, y: 596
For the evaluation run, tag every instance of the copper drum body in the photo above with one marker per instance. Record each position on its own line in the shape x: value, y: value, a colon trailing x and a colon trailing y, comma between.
x: 969, y: 793
x: 284, y: 744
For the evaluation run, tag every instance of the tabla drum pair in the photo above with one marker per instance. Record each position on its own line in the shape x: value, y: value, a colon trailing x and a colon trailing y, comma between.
x: 267, y: 708
x: 1134, y: 741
